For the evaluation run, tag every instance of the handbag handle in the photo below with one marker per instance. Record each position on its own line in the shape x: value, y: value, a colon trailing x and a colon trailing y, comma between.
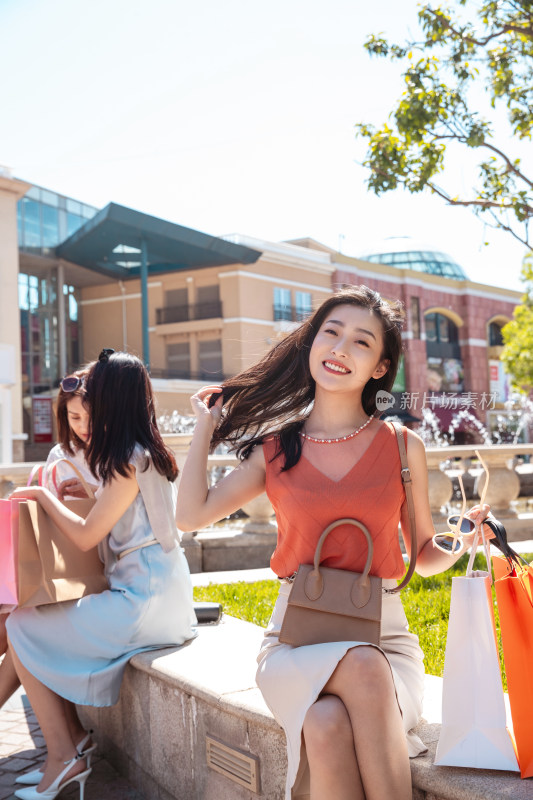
x: 52, y: 472
x: 314, y: 582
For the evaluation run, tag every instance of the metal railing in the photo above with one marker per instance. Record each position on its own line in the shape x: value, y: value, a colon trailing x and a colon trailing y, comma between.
x: 290, y: 313
x: 187, y: 375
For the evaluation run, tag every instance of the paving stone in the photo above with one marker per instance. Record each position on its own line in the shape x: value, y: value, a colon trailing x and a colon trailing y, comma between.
x: 20, y: 739
x: 14, y: 764
x: 22, y: 748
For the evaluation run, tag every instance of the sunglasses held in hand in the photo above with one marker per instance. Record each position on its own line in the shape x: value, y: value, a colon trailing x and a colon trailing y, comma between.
x: 458, y: 524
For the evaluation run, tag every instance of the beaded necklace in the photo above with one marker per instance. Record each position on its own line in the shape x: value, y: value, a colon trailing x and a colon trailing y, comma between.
x: 340, y: 438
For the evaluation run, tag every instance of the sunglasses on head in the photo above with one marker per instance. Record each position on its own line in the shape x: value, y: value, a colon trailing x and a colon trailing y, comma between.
x: 458, y: 524
x: 71, y: 383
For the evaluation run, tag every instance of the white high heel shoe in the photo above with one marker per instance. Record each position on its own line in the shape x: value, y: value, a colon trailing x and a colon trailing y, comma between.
x: 36, y: 775
x: 31, y: 793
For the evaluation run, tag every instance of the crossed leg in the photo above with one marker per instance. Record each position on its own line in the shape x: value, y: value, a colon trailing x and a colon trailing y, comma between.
x: 354, y: 734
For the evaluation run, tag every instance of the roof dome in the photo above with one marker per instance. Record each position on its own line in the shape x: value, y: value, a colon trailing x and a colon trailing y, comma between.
x: 404, y: 252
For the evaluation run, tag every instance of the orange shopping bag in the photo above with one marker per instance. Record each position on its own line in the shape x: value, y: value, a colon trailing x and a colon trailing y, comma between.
x: 514, y: 593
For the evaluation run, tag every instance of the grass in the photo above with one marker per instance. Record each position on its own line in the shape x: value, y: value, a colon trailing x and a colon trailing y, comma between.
x: 426, y: 602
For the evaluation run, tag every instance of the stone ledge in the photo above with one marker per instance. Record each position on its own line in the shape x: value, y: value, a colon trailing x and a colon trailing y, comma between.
x: 171, y: 699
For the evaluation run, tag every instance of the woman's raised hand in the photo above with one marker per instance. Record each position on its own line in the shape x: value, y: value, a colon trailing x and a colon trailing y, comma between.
x: 202, y: 407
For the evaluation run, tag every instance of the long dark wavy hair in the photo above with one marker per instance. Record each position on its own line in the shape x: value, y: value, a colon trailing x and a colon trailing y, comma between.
x: 122, y: 414
x: 275, y: 395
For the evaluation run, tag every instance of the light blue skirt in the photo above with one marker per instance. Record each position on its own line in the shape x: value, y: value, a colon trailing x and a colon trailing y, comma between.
x: 80, y: 648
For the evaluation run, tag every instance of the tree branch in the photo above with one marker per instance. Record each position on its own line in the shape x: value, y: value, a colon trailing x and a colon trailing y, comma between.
x: 505, y: 158
x: 489, y: 205
x: 527, y: 31
x: 508, y: 229
x: 509, y: 163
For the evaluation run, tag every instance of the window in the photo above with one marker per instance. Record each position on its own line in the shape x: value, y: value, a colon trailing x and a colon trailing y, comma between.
x: 175, y: 297
x: 415, y: 317
x: 178, y: 360
x: 441, y: 329
x: 74, y: 221
x: 176, y: 307
x: 495, y: 335
x: 32, y: 223
x: 442, y: 338
x: 431, y: 327
x: 207, y: 302
x: 303, y: 305
x: 282, y: 304
x: 207, y: 294
x: 45, y: 219
x: 210, y: 357
x: 50, y: 226
x: 39, y: 333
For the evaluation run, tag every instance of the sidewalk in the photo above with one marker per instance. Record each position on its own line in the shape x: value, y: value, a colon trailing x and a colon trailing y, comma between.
x: 22, y: 745
x: 22, y: 749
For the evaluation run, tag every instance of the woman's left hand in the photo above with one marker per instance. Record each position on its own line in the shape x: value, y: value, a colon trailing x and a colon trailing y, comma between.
x: 72, y: 487
x: 28, y: 493
x: 478, y: 514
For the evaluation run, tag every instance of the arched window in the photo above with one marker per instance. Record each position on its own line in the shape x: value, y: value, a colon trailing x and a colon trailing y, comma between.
x: 442, y: 336
x: 495, y: 334
x: 444, y: 365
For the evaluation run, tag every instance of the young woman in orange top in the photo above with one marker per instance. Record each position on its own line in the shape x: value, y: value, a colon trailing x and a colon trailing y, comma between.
x: 304, y: 421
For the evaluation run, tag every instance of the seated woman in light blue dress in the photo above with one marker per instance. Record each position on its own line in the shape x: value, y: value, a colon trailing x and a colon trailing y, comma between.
x: 73, y: 426
x: 78, y: 650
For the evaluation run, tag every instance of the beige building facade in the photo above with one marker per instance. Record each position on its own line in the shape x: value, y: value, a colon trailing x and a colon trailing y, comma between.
x: 199, y: 308
x: 209, y: 323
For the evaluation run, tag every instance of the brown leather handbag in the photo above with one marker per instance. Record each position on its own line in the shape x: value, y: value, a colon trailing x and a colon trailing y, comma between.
x: 335, y: 605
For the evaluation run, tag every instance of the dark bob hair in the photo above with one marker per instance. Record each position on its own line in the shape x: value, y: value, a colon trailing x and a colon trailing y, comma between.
x: 122, y: 415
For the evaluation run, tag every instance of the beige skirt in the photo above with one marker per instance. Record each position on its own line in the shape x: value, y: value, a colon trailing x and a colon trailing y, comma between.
x: 292, y: 678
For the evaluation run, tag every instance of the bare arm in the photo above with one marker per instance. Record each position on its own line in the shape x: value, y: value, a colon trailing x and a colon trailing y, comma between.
x: 198, y: 505
x: 109, y: 508
x: 430, y: 559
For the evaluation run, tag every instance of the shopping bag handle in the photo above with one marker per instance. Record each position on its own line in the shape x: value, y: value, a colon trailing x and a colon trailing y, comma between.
x: 37, y: 469
x: 486, y: 548
x: 52, y: 469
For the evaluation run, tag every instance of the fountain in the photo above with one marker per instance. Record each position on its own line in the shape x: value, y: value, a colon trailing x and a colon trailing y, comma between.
x: 429, y: 431
x: 235, y: 542
x: 465, y: 415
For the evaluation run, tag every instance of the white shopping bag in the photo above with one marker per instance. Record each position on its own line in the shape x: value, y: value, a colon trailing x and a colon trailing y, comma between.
x: 474, y: 728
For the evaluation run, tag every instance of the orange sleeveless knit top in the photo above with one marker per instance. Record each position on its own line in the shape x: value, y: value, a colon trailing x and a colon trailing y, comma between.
x: 306, y: 501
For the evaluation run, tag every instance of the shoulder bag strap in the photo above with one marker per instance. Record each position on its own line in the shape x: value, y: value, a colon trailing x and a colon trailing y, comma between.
x: 407, y: 484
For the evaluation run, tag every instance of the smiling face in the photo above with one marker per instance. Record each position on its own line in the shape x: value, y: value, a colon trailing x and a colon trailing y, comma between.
x: 78, y: 418
x: 347, y: 350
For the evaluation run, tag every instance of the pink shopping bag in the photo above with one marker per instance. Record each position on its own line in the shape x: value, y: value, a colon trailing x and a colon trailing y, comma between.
x: 9, y: 527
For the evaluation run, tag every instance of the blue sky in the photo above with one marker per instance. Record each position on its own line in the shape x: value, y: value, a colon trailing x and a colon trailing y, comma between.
x: 229, y: 116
